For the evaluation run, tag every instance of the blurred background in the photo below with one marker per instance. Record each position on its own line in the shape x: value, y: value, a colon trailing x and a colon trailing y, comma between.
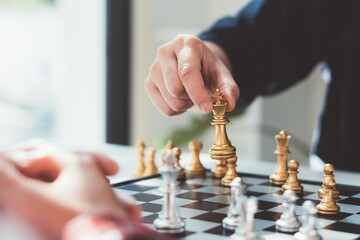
x: 74, y: 71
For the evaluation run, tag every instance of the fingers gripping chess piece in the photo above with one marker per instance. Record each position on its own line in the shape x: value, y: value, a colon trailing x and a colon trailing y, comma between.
x: 169, y: 220
x: 308, y: 229
x: 327, y: 205
x: 246, y: 230
x: 140, y: 169
x: 328, y: 172
x: 221, y: 150
x: 237, y: 192
x: 292, y: 183
x: 151, y: 167
x: 288, y: 221
x: 280, y: 174
x: 195, y: 167
x: 177, y: 153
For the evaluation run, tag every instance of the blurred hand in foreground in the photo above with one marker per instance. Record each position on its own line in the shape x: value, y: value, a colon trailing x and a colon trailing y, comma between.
x: 48, y: 186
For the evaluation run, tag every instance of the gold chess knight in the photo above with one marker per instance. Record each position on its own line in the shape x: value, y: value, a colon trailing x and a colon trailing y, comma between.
x: 222, y: 150
x: 280, y: 174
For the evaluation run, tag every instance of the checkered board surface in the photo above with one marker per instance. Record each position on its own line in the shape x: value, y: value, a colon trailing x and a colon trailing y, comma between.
x: 204, y: 203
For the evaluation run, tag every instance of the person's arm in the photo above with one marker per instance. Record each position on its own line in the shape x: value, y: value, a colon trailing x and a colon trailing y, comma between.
x: 273, y: 44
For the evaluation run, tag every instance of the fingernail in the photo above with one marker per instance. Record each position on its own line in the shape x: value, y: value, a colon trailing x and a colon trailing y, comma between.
x: 205, y: 107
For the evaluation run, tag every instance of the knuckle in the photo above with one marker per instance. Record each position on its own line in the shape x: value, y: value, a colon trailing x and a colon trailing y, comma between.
x: 179, y: 105
x: 168, y: 112
x: 162, y: 50
x: 176, y: 90
x: 186, y: 70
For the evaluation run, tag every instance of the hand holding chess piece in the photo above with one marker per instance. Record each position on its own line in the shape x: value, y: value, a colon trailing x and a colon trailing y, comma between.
x: 328, y: 172
x: 280, y: 174
x: 222, y: 150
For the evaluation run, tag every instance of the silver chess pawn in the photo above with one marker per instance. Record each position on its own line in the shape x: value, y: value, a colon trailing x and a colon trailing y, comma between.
x: 237, y: 192
x: 246, y: 230
x: 288, y: 221
x: 308, y: 229
x: 169, y: 220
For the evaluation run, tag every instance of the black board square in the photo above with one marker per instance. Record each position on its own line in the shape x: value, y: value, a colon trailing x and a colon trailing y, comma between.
x: 265, y: 205
x: 219, y: 230
x: 339, y: 216
x: 195, y: 195
x: 350, y: 200
x: 211, y: 217
x: 150, y: 218
x: 144, y: 197
x: 150, y: 207
x: 344, y: 227
x: 137, y: 187
x: 204, y: 205
x: 255, y: 194
x: 187, y: 186
x: 267, y: 215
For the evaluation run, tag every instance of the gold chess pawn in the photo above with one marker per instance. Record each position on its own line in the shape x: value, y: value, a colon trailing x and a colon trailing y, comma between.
x: 328, y: 205
x: 231, y: 172
x: 222, y: 150
x: 195, y: 168
x: 280, y: 174
x: 169, y: 146
x: 328, y: 172
x: 140, y: 169
x: 292, y: 183
x: 177, y: 152
x: 151, y: 167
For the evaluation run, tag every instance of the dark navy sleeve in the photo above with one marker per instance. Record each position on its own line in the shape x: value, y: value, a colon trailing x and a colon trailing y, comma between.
x: 274, y: 44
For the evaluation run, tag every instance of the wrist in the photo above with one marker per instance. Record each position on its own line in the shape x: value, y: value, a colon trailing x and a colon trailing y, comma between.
x: 219, y: 53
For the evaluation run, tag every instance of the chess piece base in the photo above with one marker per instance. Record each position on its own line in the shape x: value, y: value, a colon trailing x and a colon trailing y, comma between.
x: 250, y: 236
x: 278, y: 180
x: 327, y: 210
x: 296, y: 189
x: 170, y: 227
x: 287, y: 228
x: 191, y: 171
x: 181, y: 175
x: 311, y: 235
x: 231, y: 223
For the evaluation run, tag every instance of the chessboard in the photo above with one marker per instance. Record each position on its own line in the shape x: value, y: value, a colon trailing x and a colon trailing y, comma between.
x: 204, y: 202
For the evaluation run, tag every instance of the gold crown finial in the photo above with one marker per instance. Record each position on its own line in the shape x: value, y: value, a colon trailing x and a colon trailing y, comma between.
x: 218, y: 97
